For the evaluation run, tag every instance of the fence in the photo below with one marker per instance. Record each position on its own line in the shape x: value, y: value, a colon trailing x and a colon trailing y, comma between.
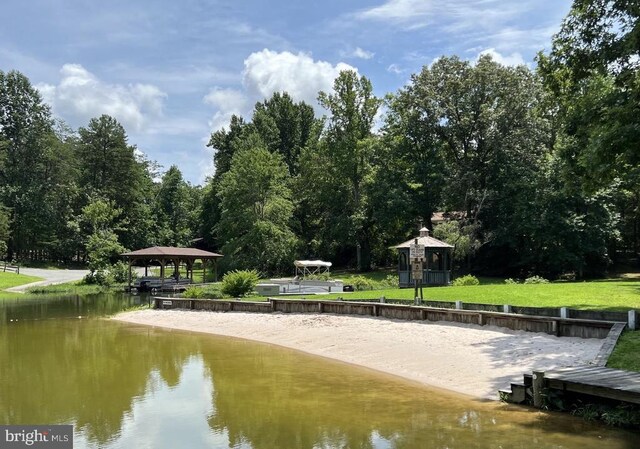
x: 560, y: 326
x: 8, y: 267
x: 629, y: 317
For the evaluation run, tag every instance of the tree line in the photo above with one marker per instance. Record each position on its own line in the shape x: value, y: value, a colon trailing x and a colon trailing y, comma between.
x: 538, y: 168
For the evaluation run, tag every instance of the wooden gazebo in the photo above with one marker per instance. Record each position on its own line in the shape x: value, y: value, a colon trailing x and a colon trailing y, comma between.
x: 437, y: 265
x: 169, y: 255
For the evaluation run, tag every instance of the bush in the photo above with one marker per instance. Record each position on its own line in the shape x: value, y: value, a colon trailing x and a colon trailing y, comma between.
x: 391, y: 281
x: 99, y: 277
x: 361, y: 283
x: 194, y: 293
x: 200, y: 293
x: 510, y: 281
x: 120, y: 272
x: 466, y: 280
x: 239, y: 283
x: 536, y: 280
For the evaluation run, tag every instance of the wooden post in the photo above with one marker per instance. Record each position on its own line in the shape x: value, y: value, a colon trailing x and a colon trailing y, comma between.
x: 129, y: 274
x: 459, y: 305
x: 506, y: 308
x: 204, y: 271
x: 633, y: 323
x: 538, y: 388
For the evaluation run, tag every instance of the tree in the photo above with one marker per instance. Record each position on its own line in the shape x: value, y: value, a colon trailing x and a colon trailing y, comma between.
x: 101, y: 218
x: 110, y: 169
x: 173, y: 208
x: 29, y: 161
x: 285, y: 126
x: 5, y: 231
x: 349, y: 148
x: 593, y: 72
x: 256, y: 209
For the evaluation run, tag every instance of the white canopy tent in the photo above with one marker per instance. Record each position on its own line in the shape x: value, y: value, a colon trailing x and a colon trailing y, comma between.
x: 311, y: 267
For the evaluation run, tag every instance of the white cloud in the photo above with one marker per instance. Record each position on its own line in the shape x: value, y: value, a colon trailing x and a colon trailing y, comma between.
x: 266, y: 72
x: 394, y: 68
x: 513, y: 59
x: 227, y: 102
x: 454, y: 16
x: 400, y: 11
x: 359, y: 53
x: 80, y: 96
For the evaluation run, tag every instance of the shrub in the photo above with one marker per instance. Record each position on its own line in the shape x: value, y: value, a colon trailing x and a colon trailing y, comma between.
x: 510, y: 281
x: 239, y: 283
x: 194, y: 293
x: 536, y: 280
x: 466, y: 280
x: 120, y: 272
x: 391, y: 281
x: 361, y: 283
x: 200, y: 293
x: 100, y: 277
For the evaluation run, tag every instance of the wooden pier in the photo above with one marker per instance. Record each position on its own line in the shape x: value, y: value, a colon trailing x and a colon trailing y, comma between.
x: 595, y: 381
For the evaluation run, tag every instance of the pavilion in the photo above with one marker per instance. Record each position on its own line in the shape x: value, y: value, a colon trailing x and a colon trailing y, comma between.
x: 437, y: 265
x: 169, y: 255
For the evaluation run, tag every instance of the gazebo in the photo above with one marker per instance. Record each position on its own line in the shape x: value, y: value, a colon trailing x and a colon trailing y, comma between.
x: 169, y: 255
x: 437, y: 265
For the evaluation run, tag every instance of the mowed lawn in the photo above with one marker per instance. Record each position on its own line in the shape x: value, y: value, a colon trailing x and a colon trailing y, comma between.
x: 612, y: 294
x: 8, y: 280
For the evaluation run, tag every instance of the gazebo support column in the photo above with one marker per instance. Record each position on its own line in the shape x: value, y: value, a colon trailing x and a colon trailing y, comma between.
x: 129, y: 273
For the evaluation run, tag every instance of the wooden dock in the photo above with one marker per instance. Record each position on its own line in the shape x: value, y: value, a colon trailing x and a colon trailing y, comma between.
x: 596, y: 381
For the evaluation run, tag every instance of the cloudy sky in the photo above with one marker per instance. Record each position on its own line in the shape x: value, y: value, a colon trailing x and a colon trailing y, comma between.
x: 173, y: 71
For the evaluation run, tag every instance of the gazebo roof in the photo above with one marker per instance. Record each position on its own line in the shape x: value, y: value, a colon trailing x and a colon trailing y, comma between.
x: 426, y: 240
x: 170, y: 251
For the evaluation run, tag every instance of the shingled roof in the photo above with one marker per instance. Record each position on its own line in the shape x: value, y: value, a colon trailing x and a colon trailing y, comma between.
x: 171, y: 251
x: 426, y: 240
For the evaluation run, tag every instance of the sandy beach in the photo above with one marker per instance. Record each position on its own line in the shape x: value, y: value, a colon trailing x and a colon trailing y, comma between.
x: 468, y: 359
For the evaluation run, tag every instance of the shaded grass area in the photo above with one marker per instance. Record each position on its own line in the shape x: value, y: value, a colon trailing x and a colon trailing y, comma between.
x: 626, y: 354
x: 613, y: 294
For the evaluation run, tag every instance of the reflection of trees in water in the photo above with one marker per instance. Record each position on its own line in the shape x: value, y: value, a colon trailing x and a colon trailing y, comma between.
x: 87, y: 372
x: 271, y: 398
x: 274, y: 398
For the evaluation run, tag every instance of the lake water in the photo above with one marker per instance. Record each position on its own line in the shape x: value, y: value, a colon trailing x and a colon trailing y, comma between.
x: 128, y: 386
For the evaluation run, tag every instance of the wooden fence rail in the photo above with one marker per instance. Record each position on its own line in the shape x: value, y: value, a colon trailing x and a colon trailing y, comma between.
x: 6, y: 266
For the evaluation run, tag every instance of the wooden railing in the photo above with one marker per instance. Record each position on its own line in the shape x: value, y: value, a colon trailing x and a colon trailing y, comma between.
x: 6, y: 266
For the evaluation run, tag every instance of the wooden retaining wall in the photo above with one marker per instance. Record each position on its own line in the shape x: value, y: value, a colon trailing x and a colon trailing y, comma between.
x: 563, y: 327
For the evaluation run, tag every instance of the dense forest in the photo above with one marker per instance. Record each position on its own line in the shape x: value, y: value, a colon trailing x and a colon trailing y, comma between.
x: 538, y: 168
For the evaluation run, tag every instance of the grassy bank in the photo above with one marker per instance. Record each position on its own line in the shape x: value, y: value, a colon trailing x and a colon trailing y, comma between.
x: 8, y: 280
x: 75, y: 288
x: 627, y: 352
x: 613, y: 294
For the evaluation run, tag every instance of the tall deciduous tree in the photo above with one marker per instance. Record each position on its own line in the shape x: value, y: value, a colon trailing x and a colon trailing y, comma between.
x: 256, y: 210
x: 593, y: 72
x: 349, y: 149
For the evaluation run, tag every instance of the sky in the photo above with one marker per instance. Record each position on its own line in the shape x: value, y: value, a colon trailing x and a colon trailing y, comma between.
x: 172, y: 72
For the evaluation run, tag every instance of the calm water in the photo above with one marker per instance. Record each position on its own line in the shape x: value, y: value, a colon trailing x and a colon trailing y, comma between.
x: 127, y: 386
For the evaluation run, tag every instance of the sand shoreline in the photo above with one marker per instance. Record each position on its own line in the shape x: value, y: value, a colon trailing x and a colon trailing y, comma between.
x: 468, y: 359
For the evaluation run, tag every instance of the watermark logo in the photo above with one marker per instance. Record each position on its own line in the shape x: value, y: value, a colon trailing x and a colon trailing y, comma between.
x: 36, y: 437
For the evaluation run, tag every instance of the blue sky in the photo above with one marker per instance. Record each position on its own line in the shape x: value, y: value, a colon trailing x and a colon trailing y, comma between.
x: 173, y: 71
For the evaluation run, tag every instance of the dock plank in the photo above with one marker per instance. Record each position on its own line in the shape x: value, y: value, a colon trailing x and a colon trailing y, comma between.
x: 598, y: 381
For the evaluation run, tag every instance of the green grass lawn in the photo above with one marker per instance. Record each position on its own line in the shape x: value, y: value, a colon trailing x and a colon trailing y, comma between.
x: 612, y: 294
x: 8, y: 280
x: 627, y: 352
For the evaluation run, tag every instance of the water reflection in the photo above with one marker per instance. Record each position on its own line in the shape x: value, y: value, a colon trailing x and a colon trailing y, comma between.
x: 126, y: 386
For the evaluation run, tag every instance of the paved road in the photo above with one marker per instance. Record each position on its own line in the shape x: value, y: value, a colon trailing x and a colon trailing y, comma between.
x: 50, y: 277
